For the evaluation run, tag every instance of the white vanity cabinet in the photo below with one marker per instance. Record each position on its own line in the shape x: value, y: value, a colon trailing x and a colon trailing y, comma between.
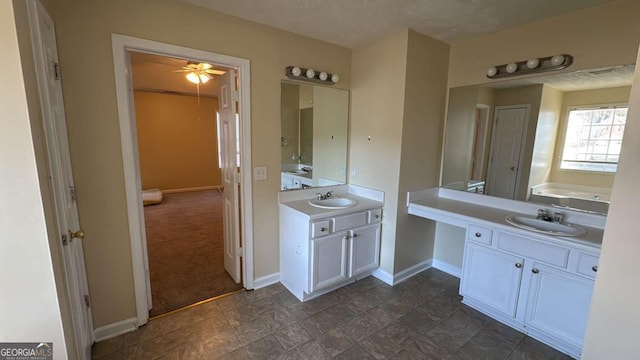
x: 537, y: 285
x: 319, y: 255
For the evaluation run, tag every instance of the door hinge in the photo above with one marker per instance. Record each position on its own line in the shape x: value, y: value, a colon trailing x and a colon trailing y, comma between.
x: 72, y: 193
x: 237, y: 177
x: 65, y: 241
x: 87, y: 301
x: 235, y: 95
x: 56, y: 70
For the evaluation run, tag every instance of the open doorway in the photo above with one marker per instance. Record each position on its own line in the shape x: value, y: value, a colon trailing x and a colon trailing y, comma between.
x: 180, y: 159
x: 240, y: 93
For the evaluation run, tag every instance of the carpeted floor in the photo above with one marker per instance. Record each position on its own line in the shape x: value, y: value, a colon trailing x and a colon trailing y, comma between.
x: 185, y: 246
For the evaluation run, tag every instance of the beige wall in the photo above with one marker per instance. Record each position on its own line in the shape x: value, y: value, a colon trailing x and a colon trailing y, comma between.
x: 330, y: 124
x: 459, y: 134
x: 377, y: 104
x: 29, y: 305
x: 618, y: 95
x: 424, y: 107
x: 290, y: 113
x: 84, y: 40
x: 545, y: 136
x: 598, y: 36
x: 612, y: 330
x: 177, y: 141
x: 449, y: 244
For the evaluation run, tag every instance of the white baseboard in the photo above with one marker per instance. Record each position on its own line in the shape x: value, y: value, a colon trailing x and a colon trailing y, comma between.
x: 199, y: 188
x: 411, y: 271
x: 383, y: 276
x: 116, y: 329
x: 266, y: 280
x: 448, y: 268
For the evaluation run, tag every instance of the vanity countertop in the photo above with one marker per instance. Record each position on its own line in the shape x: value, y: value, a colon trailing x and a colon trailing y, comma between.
x: 299, y: 200
x: 460, y: 209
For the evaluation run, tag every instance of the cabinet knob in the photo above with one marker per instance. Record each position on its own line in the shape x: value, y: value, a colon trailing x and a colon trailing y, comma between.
x: 535, y: 271
x: 594, y: 268
x: 518, y: 265
x: 478, y: 234
x: 354, y: 235
x: 323, y: 229
x: 377, y: 216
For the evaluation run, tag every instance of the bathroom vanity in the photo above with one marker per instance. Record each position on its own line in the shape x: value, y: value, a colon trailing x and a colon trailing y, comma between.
x: 328, y: 243
x: 536, y: 277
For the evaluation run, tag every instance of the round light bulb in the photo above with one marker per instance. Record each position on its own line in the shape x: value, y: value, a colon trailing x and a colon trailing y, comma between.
x: 492, y: 71
x: 323, y: 76
x: 511, y: 68
x: 204, y: 78
x: 335, y: 78
x: 296, y: 71
x: 557, y: 60
x: 311, y: 73
x: 533, y: 63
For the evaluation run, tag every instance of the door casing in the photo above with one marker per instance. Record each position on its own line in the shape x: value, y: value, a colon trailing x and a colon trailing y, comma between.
x: 121, y: 45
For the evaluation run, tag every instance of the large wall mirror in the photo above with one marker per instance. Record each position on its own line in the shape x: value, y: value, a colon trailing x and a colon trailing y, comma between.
x: 313, y: 143
x: 553, y: 139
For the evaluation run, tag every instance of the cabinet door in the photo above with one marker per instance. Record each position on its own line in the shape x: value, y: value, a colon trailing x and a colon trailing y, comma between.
x: 558, y: 303
x: 364, y: 250
x: 329, y: 261
x: 491, y: 277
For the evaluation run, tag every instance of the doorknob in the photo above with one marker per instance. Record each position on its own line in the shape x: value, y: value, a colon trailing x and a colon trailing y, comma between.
x: 513, y: 168
x: 78, y: 234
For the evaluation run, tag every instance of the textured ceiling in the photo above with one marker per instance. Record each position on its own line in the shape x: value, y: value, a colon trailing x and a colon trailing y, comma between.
x: 352, y: 23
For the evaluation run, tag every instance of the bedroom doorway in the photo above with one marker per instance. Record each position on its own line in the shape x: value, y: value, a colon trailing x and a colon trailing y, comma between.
x: 181, y: 159
x: 193, y: 189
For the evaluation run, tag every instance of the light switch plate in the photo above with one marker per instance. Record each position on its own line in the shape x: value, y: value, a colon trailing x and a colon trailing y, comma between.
x: 260, y: 173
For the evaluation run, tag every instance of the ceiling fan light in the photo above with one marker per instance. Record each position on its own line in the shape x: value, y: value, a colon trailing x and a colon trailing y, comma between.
x: 204, y: 77
x: 193, y: 77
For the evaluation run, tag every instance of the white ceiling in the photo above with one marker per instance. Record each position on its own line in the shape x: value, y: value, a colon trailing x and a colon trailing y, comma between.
x: 352, y: 23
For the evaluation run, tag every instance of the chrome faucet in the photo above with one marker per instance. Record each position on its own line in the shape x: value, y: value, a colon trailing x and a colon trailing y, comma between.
x: 544, y: 216
x: 321, y: 196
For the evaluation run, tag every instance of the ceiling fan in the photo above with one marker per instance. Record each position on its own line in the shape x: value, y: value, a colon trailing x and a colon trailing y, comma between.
x: 200, y: 73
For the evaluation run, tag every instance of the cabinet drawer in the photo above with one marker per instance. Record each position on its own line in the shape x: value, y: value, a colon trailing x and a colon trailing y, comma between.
x: 479, y: 234
x: 374, y: 216
x: 588, y: 265
x: 534, y: 249
x: 349, y: 221
x: 320, y: 228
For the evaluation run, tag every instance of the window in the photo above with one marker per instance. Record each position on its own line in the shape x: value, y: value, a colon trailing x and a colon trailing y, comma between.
x: 594, y: 138
x: 237, y: 139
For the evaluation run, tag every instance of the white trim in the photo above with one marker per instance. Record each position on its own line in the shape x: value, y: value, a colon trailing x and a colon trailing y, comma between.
x: 191, y: 189
x: 383, y: 276
x: 411, y: 271
x: 121, y: 45
x: 448, y: 268
x: 402, y: 275
x: 116, y: 329
x: 267, y: 280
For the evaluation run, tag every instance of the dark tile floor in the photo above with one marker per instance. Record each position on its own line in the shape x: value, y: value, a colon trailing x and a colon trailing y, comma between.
x: 421, y: 318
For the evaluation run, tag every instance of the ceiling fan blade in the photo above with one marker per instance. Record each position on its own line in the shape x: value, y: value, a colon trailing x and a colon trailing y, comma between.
x: 215, y: 72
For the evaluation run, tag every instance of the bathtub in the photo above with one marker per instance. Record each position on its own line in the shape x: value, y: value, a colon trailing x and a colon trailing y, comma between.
x: 590, y: 198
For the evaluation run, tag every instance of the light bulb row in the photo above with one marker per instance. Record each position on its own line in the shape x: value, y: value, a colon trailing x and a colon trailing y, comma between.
x: 299, y: 73
x: 198, y: 78
x: 532, y: 65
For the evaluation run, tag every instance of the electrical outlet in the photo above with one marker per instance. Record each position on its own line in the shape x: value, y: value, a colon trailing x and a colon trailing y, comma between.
x: 354, y: 172
x: 260, y: 173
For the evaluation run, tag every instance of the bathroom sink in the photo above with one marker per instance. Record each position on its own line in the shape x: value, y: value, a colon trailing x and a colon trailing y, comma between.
x: 545, y: 227
x: 333, y: 203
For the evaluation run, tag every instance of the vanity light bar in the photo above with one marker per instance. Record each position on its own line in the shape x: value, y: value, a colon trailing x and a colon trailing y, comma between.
x: 303, y: 74
x: 531, y: 66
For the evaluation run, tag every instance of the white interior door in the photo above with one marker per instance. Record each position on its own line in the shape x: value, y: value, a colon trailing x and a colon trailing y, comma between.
x: 506, y: 149
x: 230, y: 177
x: 48, y: 75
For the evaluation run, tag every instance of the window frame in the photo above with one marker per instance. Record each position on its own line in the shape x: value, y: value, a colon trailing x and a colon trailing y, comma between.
x: 565, y: 126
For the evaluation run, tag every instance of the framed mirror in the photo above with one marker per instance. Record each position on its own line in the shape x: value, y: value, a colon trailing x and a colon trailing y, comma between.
x: 552, y: 139
x: 313, y: 143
